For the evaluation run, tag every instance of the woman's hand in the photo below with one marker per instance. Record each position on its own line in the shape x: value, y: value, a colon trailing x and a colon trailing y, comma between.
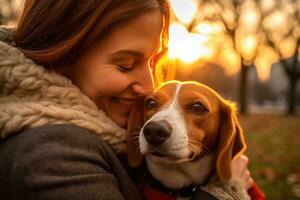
x: 240, y: 171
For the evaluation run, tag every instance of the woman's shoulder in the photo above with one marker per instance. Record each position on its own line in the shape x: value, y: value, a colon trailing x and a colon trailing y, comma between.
x: 56, y: 142
x: 58, y: 136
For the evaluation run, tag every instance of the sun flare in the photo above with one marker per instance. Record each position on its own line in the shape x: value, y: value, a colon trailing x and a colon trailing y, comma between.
x: 188, y: 47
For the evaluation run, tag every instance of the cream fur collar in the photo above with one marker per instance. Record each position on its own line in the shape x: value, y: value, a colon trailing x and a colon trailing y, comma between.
x: 31, y: 96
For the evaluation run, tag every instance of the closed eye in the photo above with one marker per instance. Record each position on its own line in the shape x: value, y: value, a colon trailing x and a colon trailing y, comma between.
x: 124, y: 68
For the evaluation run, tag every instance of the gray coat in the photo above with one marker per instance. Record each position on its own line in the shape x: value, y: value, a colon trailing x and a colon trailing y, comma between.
x: 61, y: 162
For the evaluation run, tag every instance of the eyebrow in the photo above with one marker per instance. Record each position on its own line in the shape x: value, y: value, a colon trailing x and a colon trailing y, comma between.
x: 128, y: 52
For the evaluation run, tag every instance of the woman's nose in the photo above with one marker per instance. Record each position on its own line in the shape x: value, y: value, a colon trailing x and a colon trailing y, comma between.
x: 144, y: 84
x: 142, y: 90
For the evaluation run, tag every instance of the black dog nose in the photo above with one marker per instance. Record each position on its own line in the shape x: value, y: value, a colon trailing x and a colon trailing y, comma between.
x: 157, y: 132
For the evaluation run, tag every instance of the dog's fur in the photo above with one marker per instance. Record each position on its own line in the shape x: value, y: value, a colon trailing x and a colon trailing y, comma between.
x: 203, y: 139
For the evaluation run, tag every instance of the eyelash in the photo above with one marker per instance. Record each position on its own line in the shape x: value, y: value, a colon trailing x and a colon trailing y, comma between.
x: 124, y: 69
x: 130, y: 67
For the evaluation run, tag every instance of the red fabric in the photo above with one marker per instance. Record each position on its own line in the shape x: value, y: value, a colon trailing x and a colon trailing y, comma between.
x: 152, y: 193
x: 256, y: 193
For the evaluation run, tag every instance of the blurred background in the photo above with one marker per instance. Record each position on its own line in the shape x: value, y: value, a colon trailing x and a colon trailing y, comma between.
x: 248, y: 51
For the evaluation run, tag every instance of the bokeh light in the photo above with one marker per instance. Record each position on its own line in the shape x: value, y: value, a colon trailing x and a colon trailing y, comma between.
x: 187, y: 47
x: 184, y: 10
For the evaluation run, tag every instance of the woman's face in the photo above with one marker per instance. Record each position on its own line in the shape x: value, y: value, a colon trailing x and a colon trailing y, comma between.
x: 116, y: 71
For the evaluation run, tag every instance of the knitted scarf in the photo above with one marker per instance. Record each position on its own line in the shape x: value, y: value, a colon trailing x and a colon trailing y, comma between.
x: 32, y: 96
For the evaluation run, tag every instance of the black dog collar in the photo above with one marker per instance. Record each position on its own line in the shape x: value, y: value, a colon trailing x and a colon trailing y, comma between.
x: 182, y: 192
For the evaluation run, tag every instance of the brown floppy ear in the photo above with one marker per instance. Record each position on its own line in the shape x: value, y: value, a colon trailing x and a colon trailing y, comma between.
x: 134, y: 125
x: 231, y: 141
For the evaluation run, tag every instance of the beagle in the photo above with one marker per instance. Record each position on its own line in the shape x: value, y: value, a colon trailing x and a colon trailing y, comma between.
x: 189, y: 134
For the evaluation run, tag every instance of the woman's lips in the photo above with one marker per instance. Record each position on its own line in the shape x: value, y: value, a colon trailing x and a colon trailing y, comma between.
x: 127, y: 104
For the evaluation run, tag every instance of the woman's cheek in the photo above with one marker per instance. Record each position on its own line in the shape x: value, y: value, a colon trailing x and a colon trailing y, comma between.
x: 113, y: 85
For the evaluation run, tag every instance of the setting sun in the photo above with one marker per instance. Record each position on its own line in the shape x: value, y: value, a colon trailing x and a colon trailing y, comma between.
x: 187, y: 47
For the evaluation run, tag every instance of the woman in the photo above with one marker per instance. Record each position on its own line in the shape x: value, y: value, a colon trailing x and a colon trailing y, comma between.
x: 70, y: 74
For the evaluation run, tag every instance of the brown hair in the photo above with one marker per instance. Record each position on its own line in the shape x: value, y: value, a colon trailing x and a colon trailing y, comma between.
x: 55, y: 33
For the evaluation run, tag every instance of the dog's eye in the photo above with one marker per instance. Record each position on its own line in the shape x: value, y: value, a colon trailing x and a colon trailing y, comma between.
x: 198, y: 108
x: 150, y: 104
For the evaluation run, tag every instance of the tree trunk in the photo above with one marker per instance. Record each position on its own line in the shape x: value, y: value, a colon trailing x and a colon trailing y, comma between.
x: 243, y: 93
x: 292, y: 94
x: 293, y: 79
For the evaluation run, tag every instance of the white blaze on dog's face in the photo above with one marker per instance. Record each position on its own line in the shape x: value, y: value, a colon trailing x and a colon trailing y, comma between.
x: 165, y: 111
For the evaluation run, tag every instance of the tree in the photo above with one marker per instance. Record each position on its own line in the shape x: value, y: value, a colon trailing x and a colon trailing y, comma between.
x: 284, y: 38
x: 234, y: 15
x: 254, y: 41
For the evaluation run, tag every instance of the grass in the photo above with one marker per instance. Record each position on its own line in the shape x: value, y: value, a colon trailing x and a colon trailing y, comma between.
x: 274, y: 152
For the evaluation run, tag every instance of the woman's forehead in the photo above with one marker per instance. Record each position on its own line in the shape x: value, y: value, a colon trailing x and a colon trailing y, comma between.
x: 140, y: 37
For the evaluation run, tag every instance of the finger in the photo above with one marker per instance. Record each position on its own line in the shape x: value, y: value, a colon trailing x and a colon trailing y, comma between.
x: 246, y: 174
x: 249, y: 183
x: 239, y: 164
x: 244, y: 162
x: 248, y: 179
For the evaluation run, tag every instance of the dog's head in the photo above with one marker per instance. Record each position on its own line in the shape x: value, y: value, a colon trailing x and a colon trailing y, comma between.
x: 185, y: 121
